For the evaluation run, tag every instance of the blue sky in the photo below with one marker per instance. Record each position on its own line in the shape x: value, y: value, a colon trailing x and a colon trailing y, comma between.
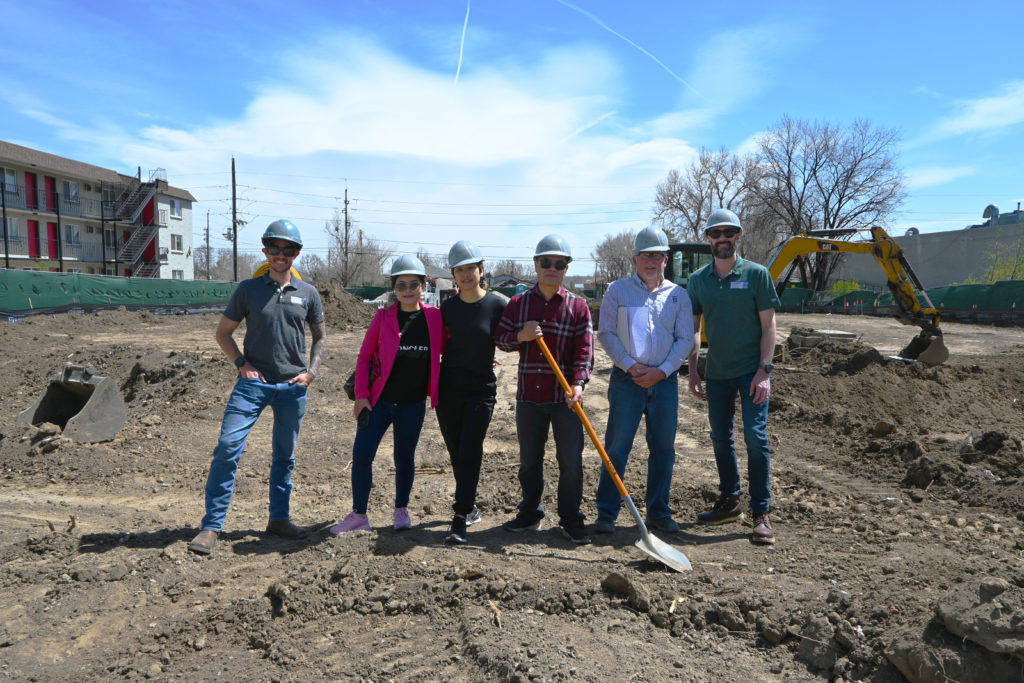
x: 500, y: 121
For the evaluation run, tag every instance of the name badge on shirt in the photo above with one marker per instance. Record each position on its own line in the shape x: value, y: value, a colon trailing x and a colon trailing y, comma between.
x: 738, y: 285
x: 298, y: 300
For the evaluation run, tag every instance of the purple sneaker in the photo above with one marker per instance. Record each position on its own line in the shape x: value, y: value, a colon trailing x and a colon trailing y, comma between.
x: 402, y: 519
x: 352, y: 522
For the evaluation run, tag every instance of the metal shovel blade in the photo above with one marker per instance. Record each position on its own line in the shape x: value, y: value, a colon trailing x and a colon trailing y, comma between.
x: 654, y: 546
x: 663, y: 552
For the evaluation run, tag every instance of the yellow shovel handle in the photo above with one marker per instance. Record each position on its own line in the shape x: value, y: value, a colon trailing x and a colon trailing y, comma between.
x: 583, y: 418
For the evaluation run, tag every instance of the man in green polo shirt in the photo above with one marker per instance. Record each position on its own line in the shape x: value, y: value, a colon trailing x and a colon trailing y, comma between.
x: 737, y: 299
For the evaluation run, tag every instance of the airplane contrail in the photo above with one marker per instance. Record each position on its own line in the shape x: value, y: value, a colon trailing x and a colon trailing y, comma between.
x: 615, y: 33
x: 462, y: 43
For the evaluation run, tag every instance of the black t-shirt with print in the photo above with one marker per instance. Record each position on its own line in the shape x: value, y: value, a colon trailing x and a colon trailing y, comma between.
x: 410, y: 376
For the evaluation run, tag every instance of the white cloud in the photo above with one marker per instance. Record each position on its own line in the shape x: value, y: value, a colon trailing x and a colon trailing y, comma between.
x: 929, y: 176
x: 985, y: 113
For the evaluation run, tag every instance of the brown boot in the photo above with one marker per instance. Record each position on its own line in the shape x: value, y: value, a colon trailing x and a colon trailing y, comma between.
x: 203, y: 542
x: 763, y: 532
x: 285, y: 529
x: 726, y: 509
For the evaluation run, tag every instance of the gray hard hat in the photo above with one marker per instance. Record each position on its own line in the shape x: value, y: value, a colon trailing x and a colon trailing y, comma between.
x: 650, y: 239
x: 553, y: 245
x: 282, y: 229
x: 407, y: 264
x: 463, y: 252
x: 722, y: 217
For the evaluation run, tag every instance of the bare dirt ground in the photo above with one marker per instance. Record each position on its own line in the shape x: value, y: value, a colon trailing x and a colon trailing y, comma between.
x: 897, y: 489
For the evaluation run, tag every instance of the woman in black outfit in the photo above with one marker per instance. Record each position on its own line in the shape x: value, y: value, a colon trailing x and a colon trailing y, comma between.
x: 468, y: 384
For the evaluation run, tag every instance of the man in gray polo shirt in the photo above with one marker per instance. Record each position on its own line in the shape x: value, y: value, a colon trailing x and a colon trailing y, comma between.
x: 738, y: 301
x: 273, y: 372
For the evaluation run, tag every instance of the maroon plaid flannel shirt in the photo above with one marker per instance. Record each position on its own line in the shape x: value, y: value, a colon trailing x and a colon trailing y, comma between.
x: 568, y: 332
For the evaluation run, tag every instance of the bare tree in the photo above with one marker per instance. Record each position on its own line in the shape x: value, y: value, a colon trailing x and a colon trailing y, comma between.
x: 613, y: 257
x: 313, y: 268
x: 714, y: 179
x: 353, y: 257
x: 429, y: 259
x: 512, y: 268
x: 819, y: 176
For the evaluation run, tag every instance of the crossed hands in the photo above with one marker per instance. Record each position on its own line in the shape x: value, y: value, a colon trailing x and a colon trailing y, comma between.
x: 645, y: 376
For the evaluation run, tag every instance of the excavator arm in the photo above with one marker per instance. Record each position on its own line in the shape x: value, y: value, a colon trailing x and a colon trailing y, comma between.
x: 904, y: 284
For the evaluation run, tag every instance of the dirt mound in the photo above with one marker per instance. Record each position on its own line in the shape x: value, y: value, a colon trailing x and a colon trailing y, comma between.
x: 343, y: 310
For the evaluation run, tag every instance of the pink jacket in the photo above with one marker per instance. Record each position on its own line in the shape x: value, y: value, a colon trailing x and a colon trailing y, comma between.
x: 380, y: 347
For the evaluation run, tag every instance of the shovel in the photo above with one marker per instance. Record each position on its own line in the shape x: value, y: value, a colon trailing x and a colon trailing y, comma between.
x: 650, y: 544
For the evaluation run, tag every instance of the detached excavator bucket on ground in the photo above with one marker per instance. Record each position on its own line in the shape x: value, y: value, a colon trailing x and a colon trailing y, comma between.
x: 87, y: 407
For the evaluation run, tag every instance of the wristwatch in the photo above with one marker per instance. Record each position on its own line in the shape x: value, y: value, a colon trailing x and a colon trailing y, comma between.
x: 239, y: 362
x: 768, y: 367
x: 580, y: 383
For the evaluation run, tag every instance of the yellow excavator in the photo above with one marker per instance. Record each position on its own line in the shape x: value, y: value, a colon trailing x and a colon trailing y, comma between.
x: 928, y: 346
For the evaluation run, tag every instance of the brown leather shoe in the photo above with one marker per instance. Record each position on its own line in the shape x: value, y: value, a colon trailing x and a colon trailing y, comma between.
x: 285, y: 529
x: 726, y: 509
x: 763, y: 532
x: 203, y: 542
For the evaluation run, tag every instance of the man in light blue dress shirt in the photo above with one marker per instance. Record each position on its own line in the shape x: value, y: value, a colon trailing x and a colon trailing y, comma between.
x: 646, y: 327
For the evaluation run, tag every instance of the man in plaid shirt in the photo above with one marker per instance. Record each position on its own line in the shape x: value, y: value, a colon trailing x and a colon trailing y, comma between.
x: 563, y: 319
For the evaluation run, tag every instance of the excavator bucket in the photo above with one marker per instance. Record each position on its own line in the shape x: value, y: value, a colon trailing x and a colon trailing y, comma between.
x: 927, y: 348
x: 88, y: 408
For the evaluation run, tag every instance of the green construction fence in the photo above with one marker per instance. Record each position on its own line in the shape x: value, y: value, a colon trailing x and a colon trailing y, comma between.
x: 25, y: 292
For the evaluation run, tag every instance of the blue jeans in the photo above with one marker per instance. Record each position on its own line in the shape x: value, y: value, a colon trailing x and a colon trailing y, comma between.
x: 721, y: 395
x: 627, y: 404
x: 247, y: 401
x: 532, y: 422
x: 408, y: 421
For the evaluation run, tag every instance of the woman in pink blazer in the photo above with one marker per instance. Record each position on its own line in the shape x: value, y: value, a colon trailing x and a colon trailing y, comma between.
x: 398, y: 368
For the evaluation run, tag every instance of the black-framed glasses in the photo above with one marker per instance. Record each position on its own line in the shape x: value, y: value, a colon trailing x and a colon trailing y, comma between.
x: 715, y: 233
x: 408, y: 286
x: 548, y: 263
x: 275, y: 250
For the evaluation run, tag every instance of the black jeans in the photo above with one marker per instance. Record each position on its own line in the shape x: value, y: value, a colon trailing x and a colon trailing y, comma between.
x: 532, y: 422
x: 463, y: 419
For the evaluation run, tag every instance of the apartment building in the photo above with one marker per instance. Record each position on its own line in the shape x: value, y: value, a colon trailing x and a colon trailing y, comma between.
x: 64, y: 215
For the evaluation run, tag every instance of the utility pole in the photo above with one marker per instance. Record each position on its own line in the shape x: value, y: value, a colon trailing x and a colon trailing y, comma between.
x: 347, y: 273
x: 234, y: 225
x: 207, y: 244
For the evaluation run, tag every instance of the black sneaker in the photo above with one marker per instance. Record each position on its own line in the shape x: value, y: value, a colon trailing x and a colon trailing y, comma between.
x: 457, y: 532
x: 727, y: 509
x: 519, y: 524
x: 576, y: 534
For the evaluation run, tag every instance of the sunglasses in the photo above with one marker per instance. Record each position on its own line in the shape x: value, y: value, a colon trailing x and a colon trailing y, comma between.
x: 547, y: 263
x: 408, y: 286
x: 724, y: 232
x: 275, y: 250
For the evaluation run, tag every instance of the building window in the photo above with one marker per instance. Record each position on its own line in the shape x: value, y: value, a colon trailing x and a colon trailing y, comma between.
x: 177, y: 244
x: 10, y: 181
x: 11, y: 230
x: 109, y: 239
x: 177, y: 274
x: 70, y: 191
x: 176, y: 208
x: 72, y: 234
x: 110, y: 271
